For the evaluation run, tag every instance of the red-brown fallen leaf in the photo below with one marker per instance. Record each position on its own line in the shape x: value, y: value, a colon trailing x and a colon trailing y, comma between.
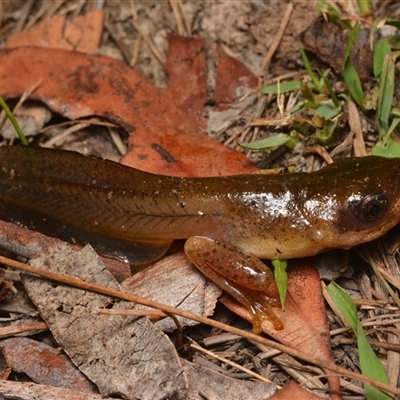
x: 163, y: 140
x: 186, y: 69
x: 294, y: 391
x: 305, y: 322
x: 232, y: 78
x: 44, y: 364
x: 83, y: 33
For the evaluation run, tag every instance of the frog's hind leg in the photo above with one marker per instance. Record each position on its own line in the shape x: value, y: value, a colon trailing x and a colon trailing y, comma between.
x: 239, y: 273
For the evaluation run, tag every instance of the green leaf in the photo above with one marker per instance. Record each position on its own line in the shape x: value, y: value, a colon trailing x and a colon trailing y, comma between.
x: 394, y: 42
x: 299, y: 106
x: 385, y: 98
x: 393, y: 22
x: 327, y: 134
x: 369, y: 362
x: 281, y: 279
x: 328, y: 111
x: 280, y: 139
x: 350, y: 41
x: 282, y: 87
x: 390, y: 149
x: 381, y: 50
x: 350, y: 74
x: 14, y: 122
x: 310, y: 72
x: 333, y: 14
x: 386, y: 146
x: 365, y: 7
x: 331, y: 92
x: 353, y: 83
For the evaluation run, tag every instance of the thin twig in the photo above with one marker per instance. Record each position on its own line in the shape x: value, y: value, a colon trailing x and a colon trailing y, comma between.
x: 275, y: 44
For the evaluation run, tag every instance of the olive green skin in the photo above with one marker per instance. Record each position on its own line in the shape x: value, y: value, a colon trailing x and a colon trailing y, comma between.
x: 273, y: 217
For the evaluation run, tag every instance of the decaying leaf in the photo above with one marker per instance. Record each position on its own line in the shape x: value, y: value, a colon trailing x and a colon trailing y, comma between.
x: 44, y: 364
x: 84, y: 85
x: 121, y: 355
x: 176, y: 282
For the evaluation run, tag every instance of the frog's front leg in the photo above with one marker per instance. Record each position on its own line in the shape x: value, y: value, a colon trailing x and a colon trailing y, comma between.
x: 241, y: 274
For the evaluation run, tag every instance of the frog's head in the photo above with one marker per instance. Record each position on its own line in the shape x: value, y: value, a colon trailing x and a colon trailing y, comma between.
x: 368, y: 198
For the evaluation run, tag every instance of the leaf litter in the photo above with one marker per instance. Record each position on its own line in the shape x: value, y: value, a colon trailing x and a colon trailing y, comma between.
x: 163, y: 153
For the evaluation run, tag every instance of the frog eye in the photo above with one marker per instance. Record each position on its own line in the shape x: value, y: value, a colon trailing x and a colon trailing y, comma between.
x: 373, y: 206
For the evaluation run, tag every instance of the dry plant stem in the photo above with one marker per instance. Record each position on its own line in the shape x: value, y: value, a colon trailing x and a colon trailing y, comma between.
x: 118, y: 143
x: 57, y: 139
x: 135, y: 52
x: 149, y: 43
x: 142, y: 35
x: 275, y: 44
x: 13, y: 330
x: 231, y: 363
x: 321, y: 151
x: 180, y: 17
x: 373, y: 343
x: 389, y: 277
x: 117, y: 39
x: 355, y: 127
x: 90, y: 121
x: 172, y: 310
x: 48, y: 9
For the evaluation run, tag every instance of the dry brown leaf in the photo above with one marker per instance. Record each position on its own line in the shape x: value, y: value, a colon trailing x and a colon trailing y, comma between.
x: 82, y: 34
x: 29, y: 244
x: 205, y: 383
x: 28, y: 391
x: 187, y: 80
x: 233, y: 78
x: 176, y: 282
x: 44, y: 364
x: 120, y: 354
x: 294, y: 391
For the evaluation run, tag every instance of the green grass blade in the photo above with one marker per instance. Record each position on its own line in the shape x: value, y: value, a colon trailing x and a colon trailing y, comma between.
x: 350, y: 74
x: 353, y: 83
x: 310, y: 72
x: 369, y: 362
x: 385, y: 98
x: 350, y: 41
x: 282, y: 87
x: 393, y: 22
x: 281, y: 279
x: 280, y: 139
x: 14, y: 122
x: 331, y: 92
x: 381, y: 50
x: 365, y: 7
x: 386, y: 148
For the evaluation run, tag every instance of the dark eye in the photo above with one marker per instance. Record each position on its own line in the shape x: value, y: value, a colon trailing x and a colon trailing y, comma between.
x: 373, y: 206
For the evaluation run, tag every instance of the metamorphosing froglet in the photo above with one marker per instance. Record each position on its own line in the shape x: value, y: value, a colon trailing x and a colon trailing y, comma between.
x: 229, y: 222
